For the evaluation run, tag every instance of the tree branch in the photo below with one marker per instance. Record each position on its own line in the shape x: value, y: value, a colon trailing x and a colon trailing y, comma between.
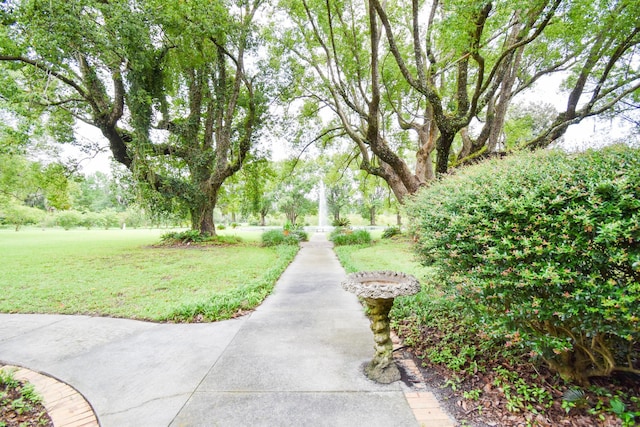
x: 42, y: 66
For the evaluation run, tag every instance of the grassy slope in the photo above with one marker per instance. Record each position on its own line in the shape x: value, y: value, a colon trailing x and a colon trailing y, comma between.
x: 116, y: 273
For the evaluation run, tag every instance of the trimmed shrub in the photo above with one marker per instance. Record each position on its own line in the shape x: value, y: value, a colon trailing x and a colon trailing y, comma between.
x: 69, y: 219
x: 111, y: 219
x: 92, y: 219
x: 346, y: 236
x: 547, y: 245
x: 19, y: 215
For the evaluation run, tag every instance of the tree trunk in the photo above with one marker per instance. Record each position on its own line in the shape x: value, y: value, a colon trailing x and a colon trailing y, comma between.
x: 398, y: 187
x: 292, y: 217
x: 372, y: 216
x: 427, y: 135
x: 202, y: 219
x: 444, y: 148
x: 424, y: 165
x: 263, y: 219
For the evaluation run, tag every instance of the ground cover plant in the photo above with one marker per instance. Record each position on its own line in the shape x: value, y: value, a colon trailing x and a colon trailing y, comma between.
x: 121, y: 273
x: 188, y: 237
x: 20, y: 405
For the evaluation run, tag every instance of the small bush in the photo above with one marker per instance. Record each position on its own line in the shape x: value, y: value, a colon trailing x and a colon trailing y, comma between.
x: 345, y: 236
x: 111, y: 219
x: 92, y: 219
x: 278, y: 237
x: 546, y: 245
x: 19, y: 215
x: 342, y: 222
x: 194, y: 236
x: 221, y: 227
x: 69, y: 219
x: 390, y: 232
x: 188, y: 236
x: 301, y: 234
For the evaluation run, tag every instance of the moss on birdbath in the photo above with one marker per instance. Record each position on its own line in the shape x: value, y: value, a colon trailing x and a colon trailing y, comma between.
x: 378, y: 289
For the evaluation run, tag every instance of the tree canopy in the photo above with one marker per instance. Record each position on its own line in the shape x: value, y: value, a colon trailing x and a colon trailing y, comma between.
x: 183, y: 90
x: 413, y: 78
x: 168, y: 85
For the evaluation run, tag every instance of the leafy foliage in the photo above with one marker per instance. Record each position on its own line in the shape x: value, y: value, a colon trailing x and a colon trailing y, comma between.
x: 347, y: 236
x: 194, y: 236
x: 470, y: 359
x: 178, y: 70
x: 19, y: 402
x: 189, y: 236
x: 373, y: 195
x: 284, y: 237
x: 342, y: 222
x: 68, y: 219
x: 546, y: 246
x: 390, y: 232
x: 34, y: 184
x: 19, y: 215
x: 297, y: 179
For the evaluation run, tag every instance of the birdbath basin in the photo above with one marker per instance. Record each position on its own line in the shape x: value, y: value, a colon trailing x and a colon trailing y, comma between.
x: 378, y: 290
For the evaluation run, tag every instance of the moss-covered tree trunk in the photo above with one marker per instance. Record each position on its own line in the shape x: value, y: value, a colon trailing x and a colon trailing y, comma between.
x: 202, y: 219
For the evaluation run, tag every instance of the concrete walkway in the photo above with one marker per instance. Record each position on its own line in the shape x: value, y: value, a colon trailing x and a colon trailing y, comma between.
x: 296, y: 360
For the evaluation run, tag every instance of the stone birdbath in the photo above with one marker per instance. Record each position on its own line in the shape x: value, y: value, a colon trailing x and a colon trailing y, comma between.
x: 378, y: 290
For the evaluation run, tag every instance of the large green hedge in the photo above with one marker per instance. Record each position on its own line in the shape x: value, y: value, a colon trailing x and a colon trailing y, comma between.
x: 547, y: 245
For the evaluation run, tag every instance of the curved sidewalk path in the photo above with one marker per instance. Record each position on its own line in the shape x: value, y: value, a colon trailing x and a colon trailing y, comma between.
x: 296, y: 360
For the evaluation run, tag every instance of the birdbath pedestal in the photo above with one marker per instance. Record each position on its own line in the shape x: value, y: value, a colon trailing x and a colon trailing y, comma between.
x: 378, y: 290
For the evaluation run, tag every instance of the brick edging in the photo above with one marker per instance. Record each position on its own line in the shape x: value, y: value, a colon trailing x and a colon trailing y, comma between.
x: 424, y: 404
x: 64, y: 404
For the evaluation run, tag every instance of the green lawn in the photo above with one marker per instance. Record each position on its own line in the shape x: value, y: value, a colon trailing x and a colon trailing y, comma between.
x: 384, y: 254
x: 117, y: 273
x: 394, y: 255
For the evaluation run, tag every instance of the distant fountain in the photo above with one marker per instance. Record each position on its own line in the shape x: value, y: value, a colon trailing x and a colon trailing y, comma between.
x: 322, y: 209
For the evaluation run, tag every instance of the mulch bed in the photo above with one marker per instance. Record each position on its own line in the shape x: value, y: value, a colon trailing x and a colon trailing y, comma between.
x: 15, y: 416
x: 490, y: 409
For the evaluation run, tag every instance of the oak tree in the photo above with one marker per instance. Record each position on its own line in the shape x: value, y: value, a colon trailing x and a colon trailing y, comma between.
x: 174, y: 87
x: 412, y: 78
